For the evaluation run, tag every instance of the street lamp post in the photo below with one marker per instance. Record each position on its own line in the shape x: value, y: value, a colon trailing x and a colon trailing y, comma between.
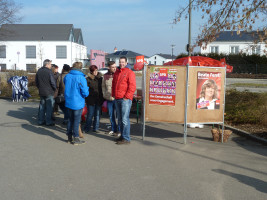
x: 187, y: 73
x: 189, y: 29
x: 172, y: 52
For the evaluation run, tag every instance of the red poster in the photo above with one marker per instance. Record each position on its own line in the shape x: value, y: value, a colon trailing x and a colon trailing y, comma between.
x: 208, y: 90
x: 162, y: 86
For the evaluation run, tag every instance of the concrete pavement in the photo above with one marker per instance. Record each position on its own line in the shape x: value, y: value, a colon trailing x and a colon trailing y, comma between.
x: 37, y: 163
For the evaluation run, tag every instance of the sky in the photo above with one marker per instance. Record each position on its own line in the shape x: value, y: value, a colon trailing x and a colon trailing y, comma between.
x: 143, y: 26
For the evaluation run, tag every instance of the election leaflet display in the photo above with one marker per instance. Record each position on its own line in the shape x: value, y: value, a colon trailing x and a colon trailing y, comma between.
x: 206, y: 95
x: 162, y: 86
x: 166, y: 94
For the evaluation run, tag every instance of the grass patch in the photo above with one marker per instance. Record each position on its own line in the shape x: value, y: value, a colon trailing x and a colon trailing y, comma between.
x: 253, y: 85
x: 245, y: 107
x: 6, y: 89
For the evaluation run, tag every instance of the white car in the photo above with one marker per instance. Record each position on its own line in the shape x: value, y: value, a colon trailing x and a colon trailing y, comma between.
x: 103, y: 70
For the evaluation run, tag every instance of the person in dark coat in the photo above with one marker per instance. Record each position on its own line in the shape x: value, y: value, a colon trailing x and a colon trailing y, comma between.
x: 46, y: 84
x: 61, y: 90
x: 56, y: 76
x: 95, y: 99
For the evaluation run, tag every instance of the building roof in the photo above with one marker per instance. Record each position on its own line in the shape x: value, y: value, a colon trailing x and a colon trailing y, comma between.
x: 126, y: 53
x: 232, y: 36
x: 166, y: 56
x: 36, y: 32
x: 76, y: 33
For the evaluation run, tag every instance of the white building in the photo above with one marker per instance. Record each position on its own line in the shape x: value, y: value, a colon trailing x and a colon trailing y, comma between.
x: 26, y: 46
x: 229, y: 42
x: 159, y: 59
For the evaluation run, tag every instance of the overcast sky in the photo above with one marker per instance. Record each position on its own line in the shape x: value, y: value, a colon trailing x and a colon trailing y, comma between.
x: 143, y: 26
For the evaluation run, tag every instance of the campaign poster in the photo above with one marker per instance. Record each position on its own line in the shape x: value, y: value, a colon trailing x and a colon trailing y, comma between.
x: 208, y: 90
x: 162, y: 86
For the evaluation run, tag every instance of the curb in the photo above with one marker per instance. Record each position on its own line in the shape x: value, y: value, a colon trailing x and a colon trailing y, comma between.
x: 9, y: 98
x: 30, y: 100
x: 247, y: 135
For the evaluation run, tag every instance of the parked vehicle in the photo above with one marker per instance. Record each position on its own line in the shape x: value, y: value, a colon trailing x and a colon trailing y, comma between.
x: 103, y: 70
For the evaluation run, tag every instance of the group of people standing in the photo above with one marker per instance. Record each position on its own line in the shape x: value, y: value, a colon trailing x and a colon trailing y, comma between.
x: 117, y: 87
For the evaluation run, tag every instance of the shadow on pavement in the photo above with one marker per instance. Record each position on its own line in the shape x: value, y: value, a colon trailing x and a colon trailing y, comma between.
x: 250, y: 145
x: 42, y: 131
x: 250, y: 181
x: 30, y: 114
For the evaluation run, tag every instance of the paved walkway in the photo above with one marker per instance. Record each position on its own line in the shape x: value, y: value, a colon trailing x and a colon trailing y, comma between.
x: 37, y: 163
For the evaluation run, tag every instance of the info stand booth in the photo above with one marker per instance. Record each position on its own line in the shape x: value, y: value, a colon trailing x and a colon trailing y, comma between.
x: 184, y: 95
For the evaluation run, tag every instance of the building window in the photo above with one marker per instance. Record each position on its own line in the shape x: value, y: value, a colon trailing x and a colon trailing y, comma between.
x: 163, y: 62
x: 214, y: 49
x: 3, y: 51
x: 31, y: 68
x: 155, y: 57
x: 2, y: 67
x: 155, y: 62
x: 256, y: 49
x: 30, y: 51
x: 61, y: 51
x: 234, y: 49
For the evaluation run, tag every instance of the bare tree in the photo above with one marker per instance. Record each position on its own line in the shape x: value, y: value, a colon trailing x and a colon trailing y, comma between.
x: 41, y: 53
x: 9, y: 14
x: 233, y: 15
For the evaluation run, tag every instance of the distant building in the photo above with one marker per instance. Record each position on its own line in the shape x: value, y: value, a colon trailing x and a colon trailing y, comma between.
x: 130, y: 55
x: 97, y: 57
x: 26, y: 46
x: 229, y: 42
x: 159, y: 59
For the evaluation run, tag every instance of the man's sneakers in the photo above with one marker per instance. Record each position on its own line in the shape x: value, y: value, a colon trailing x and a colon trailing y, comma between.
x: 52, y: 124
x: 123, y: 141
x: 77, y: 141
x: 110, y: 133
x: 118, y: 134
x: 70, y: 139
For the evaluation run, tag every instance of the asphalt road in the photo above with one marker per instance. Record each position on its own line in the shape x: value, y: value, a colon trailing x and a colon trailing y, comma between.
x: 229, y: 82
x: 37, y: 163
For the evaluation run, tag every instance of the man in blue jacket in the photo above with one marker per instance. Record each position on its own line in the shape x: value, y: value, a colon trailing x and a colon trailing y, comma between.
x: 46, y: 84
x: 76, y: 90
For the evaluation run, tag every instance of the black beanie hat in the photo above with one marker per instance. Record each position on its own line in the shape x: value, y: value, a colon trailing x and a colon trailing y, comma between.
x: 66, y: 67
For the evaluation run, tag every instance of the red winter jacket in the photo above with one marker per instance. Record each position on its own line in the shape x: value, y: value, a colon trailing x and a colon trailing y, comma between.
x: 123, y: 84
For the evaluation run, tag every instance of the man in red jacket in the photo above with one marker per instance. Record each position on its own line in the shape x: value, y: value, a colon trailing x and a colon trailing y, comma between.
x: 123, y: 88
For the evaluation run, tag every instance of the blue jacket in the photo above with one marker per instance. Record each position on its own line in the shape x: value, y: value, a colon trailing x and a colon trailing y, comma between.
x: 76, y: 89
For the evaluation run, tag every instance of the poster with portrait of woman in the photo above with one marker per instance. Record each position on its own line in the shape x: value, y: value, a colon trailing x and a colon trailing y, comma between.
x: 208, y: 90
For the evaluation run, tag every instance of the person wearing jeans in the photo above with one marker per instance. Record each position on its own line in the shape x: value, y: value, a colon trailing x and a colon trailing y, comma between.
x: 93, y: 112
x: 75, y: 92
x: 46, y: 85
x: 46, y: 109
x: 123, y: 110
x: 115, y: 129
x: 95, y: 99
x: 73, y: 126
x: 123, y: 88
x: 106, y: 88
